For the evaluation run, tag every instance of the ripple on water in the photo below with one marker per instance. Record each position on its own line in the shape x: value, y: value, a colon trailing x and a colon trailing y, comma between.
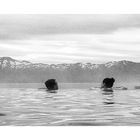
x: 77, y: 107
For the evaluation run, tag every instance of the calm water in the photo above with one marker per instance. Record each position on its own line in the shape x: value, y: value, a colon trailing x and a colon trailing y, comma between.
x: 73, y: 104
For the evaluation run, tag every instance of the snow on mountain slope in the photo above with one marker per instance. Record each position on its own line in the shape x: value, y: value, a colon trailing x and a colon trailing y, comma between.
x: 8, y: 62
x: 12, y: 70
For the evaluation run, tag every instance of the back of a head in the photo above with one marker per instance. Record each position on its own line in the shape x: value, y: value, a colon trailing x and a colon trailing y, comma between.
x: 108, y: 82
x: 51, y: 84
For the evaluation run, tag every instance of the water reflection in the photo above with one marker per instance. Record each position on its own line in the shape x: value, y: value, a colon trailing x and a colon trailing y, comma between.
x: 108, y: 97
x: 51, y: 91
x: 34, y: 106
x: 48, y: 91
x: 1, y: 114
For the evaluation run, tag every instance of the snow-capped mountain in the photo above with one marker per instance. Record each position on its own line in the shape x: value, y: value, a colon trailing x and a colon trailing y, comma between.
x: 12, y: 70
x: 8, y: 62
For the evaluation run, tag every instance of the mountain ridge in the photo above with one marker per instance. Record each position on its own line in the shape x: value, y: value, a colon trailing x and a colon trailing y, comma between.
x: 8, y: 60
x: 12, y: 70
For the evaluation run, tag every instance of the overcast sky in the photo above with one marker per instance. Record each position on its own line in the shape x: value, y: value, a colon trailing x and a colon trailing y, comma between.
x: 70, y: 38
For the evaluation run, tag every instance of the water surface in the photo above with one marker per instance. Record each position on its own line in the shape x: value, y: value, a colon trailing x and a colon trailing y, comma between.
x: 73, y: 104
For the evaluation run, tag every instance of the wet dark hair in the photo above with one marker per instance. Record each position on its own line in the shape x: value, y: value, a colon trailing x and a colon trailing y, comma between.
x: 51, y: 84
x: 108, y: 83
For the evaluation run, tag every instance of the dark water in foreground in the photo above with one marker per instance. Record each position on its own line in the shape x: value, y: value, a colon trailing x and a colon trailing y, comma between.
x: 26, y: 105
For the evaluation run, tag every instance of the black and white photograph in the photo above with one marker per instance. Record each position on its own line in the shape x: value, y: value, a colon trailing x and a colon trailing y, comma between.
x: 69, y: 69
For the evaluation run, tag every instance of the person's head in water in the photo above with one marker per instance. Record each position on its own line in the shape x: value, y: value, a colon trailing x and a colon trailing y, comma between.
x: 108, y: 83
x: 51, y: 84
